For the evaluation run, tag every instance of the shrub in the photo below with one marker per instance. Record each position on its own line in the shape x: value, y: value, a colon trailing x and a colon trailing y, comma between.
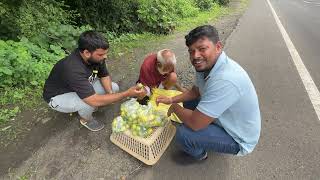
x: 186, y: 8
x: 208, y: 4
x: 223, y: 2
x: 65, y: 36
x: 8, y: 14
x: 205, y: 4
x: 108, y: 15
x: 24, y: 64
x: 36, y: 16
x: 43, y: 22
x: 157, y: 16
x: 134, y: 16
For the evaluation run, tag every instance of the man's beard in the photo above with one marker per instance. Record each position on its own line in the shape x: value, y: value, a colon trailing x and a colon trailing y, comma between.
x: 202, y: 70
x: 92, y: 61
x: 205, y: 70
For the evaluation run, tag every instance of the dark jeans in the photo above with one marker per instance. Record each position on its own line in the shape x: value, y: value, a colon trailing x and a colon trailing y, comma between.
x: 213, y: 138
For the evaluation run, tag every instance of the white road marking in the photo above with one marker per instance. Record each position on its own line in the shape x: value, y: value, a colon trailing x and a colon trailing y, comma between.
x: 307, y: 80
x: 309, y: 2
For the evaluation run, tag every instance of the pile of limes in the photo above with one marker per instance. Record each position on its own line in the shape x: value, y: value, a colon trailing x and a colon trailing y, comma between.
x: 140, y: 120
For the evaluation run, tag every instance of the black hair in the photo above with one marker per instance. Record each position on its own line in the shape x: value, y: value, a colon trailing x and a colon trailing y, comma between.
x: 92, y: 40
x: 202, y: 31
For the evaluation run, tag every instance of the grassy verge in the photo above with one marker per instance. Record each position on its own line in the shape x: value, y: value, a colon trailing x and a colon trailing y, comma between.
x: 13, y: 101
x: 203, y: 18
x: 127, y: 42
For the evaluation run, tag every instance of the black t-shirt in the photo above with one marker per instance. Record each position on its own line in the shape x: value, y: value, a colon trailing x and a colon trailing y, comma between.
x: 73, y: 74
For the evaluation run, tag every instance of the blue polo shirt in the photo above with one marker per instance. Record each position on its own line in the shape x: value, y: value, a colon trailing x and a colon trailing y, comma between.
x: 228, y: 95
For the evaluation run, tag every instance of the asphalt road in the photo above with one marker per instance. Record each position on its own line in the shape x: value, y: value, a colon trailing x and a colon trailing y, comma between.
x: 301, y: 18
x: 289, y: 147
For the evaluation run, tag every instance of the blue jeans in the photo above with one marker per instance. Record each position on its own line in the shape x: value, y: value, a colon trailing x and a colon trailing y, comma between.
x: 213, y: 137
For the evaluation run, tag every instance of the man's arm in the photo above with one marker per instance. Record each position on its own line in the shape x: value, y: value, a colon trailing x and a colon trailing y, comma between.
x: 185, y: 96
x: 179, y: 87
x: 102, y: 100
x: 195, y: 120
x: 217, y: 98
x: 106, y: 83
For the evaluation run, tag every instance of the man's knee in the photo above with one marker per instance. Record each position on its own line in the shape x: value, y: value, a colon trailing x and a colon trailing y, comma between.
x: 170, y: 81
x: 98, y: 88
x: 85, y: 111
x: 182, y: 134
x: 115, y: 87
x: 172, y: 78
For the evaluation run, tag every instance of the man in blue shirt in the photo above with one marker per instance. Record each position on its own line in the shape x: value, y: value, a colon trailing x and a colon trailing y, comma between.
x: 221, y: 111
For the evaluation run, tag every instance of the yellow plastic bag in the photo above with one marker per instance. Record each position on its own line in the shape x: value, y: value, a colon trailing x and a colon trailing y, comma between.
x: 164, y: 107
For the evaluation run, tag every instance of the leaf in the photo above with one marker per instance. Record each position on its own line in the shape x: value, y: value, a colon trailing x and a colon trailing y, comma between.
x: 17, y: 95
x: 6, y: 71
x: 34, y: 83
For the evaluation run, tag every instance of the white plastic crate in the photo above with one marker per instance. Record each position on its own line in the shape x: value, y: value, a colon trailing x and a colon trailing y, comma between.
x: 149, y: 149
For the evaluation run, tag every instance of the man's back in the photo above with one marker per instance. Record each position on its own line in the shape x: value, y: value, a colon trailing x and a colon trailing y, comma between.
x: 67, y: 72
x: 149, y: 75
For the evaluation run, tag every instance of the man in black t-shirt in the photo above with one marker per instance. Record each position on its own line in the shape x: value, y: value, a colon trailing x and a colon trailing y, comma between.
x: 81, y: 82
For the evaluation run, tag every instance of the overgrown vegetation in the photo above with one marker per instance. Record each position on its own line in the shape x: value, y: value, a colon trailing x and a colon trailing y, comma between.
x: 35, y: 34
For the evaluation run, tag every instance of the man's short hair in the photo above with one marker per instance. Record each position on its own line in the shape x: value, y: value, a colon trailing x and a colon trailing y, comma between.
x: 92, y: 40
x: 166, y: 56
x: 202, y: 31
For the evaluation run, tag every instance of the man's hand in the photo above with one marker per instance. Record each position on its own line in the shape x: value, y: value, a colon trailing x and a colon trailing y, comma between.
x: 136, y: 91
x: 144, y: 93
x: 164, y: 100
x: 144, y: 90
x: 171, y: 110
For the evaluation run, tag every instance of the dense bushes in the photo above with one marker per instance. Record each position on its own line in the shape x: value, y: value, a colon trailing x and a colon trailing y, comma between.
x: 35, y: 34
x: 28, y: 18
x: 43, y: 22
x: 107, y: 15
x: 23, y: 63
x: 36, y: 16
x: 161, y: 16
x: 62, y: 35
x: 223, y: 2
x: 208, y: 4
x: 8, y: 14
x: 44, y: 30
x: 157, y: 16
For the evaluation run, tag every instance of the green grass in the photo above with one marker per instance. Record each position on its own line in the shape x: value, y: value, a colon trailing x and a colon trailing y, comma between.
x: 23, y: 177
x: 127, y: 42
x: 204, y: 17
x: 13, y: 100
x: 244, y: 4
